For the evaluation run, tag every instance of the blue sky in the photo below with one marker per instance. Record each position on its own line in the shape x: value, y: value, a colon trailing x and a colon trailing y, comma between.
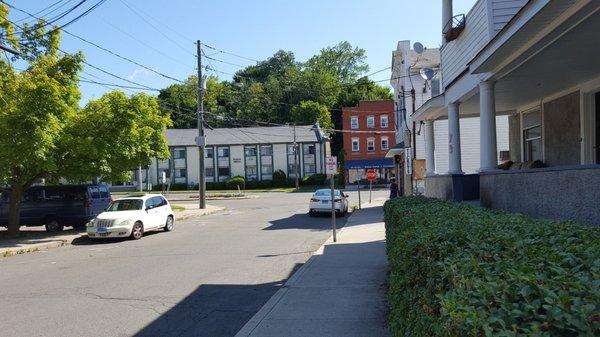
x: 255, y: 29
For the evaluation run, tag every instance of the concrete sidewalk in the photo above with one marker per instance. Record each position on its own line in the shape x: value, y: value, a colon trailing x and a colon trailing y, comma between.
x: 38, y: 239
x: 340, y: 291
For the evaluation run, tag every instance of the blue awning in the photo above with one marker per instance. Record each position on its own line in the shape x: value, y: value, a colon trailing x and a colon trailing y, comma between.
x: 369, y: 163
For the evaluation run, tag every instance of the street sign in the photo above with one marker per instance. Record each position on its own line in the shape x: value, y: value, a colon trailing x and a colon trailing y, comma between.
x: 331, y: 165
x: 371, y: 174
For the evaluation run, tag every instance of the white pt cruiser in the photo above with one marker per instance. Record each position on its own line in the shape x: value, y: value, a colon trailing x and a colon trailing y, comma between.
x: 132, y: 216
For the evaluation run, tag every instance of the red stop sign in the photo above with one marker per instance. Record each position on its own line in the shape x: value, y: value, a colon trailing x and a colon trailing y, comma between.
x: 371, y: 174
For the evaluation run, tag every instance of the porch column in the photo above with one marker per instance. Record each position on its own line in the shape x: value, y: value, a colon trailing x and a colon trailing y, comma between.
x: 454, y: 164
x: 446, y: 16
x: 487, y: 129
x: 429, y: 148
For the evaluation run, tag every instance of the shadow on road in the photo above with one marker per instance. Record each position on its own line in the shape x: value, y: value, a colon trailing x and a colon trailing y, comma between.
x: 84, y: 240
x: 213, y: 310
x: 321, y: 222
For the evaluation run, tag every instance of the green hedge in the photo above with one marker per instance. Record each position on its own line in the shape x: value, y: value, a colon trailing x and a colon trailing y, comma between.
x: 458, y: 270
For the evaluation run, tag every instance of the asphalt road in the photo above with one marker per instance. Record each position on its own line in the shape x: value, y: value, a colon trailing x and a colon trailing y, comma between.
x: 206, y: 278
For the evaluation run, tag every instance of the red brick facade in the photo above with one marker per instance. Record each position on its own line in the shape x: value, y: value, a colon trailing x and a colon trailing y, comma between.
x: 364, y: 110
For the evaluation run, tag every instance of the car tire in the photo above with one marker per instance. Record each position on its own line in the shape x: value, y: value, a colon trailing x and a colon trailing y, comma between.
x: 53, y: 225
x: 341, y: 214
x: 169, y: 224
x: 311, y: 213
x: 137, y: 231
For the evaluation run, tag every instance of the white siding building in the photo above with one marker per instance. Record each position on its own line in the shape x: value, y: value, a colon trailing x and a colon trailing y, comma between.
x: 253, y: 152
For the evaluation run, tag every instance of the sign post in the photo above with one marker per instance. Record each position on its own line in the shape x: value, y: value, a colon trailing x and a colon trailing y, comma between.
x: 331, y: 169
x: 371, y: 175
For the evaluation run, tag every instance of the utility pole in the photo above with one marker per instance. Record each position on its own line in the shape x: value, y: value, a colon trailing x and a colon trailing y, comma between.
x: 296, y: 158
x: 201, y: 141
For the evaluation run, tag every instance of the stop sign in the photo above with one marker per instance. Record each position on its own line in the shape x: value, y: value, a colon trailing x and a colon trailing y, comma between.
x: 371, y: 174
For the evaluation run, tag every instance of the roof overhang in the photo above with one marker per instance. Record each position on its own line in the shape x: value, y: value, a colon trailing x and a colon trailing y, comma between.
x: 537, y: 25
x: 430, y: 110
x: 396, y: 150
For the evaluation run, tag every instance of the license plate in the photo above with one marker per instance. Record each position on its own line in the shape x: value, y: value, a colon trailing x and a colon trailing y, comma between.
x: 326, y: 201
x: 103, y: 234
x: 102, y: 230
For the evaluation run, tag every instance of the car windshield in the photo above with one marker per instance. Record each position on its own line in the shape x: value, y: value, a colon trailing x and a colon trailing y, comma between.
x: 326, y: 193
x: 125, y: 205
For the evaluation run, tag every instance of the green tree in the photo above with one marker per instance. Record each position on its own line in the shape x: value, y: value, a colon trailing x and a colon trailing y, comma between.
x: 45, y: 135
x: 345, y: 61
x: 309, y: 112
x: 112, y: 135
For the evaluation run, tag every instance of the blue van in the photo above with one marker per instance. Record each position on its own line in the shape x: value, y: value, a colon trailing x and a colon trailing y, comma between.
x: 58, y: 206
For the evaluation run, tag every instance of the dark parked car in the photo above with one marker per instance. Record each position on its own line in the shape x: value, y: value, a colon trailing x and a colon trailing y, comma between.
x: 58, y: 206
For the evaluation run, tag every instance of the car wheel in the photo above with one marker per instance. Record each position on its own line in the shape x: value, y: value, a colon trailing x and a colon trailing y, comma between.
x: 52, y: 225
x: 341, y: 214
x: 169, y: 224
x: 137, y: 231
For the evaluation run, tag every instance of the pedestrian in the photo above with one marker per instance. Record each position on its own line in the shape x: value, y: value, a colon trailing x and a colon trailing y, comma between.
x: 393, y: 189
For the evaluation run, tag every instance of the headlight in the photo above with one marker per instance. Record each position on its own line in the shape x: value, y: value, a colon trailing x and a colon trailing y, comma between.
x: 125, y: 223
x: 91, y: 223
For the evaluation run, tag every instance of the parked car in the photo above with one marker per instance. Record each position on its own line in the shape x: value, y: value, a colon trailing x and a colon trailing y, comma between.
x: 320, y: 202
x: 132, y: 216
x: 58, y: 206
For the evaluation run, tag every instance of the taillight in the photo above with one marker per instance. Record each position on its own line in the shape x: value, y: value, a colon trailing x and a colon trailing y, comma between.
x: 337, y: 199
x: 314, y: 199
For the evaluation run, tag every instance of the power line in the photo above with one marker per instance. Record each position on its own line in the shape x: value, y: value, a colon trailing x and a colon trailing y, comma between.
x: 230, y: 53
x: 134, y: 11
x: 77, y: 18
x: 64, y: 2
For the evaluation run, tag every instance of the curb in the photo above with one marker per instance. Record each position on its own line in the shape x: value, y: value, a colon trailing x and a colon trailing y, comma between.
x: 266, y: 309
x: 7, y: 252
x: 34, y: 248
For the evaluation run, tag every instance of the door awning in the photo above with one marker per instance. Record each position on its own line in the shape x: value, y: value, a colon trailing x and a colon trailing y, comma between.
x: 396, y: 150
x: 369, y: 163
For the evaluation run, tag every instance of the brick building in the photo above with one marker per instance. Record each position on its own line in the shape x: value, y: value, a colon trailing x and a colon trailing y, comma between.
x: 368, y: 134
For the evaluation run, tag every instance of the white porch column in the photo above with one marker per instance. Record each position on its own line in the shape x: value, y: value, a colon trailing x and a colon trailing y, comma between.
x: 446, y: 15
x: 454, y: 164
x: 429, y: 148
x: 487, y: 129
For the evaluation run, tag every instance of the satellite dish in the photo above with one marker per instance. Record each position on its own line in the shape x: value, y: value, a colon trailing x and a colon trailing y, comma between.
x: 427, y: 73
x: 418, y: 48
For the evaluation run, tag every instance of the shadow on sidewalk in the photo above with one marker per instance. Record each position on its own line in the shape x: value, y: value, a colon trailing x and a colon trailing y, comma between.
x: 34, y: 235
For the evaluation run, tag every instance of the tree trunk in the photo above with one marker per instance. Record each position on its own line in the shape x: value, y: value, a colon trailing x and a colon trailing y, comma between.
x: 14, y: 210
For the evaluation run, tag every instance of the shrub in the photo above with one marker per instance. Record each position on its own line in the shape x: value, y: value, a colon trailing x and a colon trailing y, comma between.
x: 179, y: 187
x: 314, y: 180
x: 458, y: 270
x: 279, y: 178
x: 265, y: 184
x: 215, y: 185
x: 251, y: 184
x: 233, y: 182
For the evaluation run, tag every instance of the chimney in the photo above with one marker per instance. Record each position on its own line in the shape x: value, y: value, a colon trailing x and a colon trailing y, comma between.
x: 446, y: 16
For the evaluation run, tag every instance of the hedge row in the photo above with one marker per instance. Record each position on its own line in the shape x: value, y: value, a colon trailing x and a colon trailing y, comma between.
x: 458, y: 270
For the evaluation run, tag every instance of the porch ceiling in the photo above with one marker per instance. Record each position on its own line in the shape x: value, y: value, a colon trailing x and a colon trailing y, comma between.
x: 570, y: 60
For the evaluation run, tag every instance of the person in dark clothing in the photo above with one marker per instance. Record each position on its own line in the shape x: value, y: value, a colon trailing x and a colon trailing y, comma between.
x: 393, y: 189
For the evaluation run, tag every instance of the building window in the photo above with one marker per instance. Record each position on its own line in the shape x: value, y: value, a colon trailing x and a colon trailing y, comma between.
x: 223, y: 163
x: 266, y: 162
x: 251, y: 160
x: 370, y: 122
x: 384, y: 121
x: 370, y: 144
x: 309, y: 158
x: 210, y: 171
x: 354, y: 122
x: 179, y: 153
x: 209, y: 152
x: 293, y: 161
x: 532, y: 135
x: 355, y: 145
x: 385, y: 143
x: 180, y: 176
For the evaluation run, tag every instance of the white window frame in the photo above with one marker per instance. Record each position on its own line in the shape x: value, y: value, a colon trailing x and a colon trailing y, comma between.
x: 370, y: 140
x: 540, y: 125
x: 354, y: 125
x: 387, y: 121
x: 372, y: 124
x: 356, y: 141
x: 387, y: 141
